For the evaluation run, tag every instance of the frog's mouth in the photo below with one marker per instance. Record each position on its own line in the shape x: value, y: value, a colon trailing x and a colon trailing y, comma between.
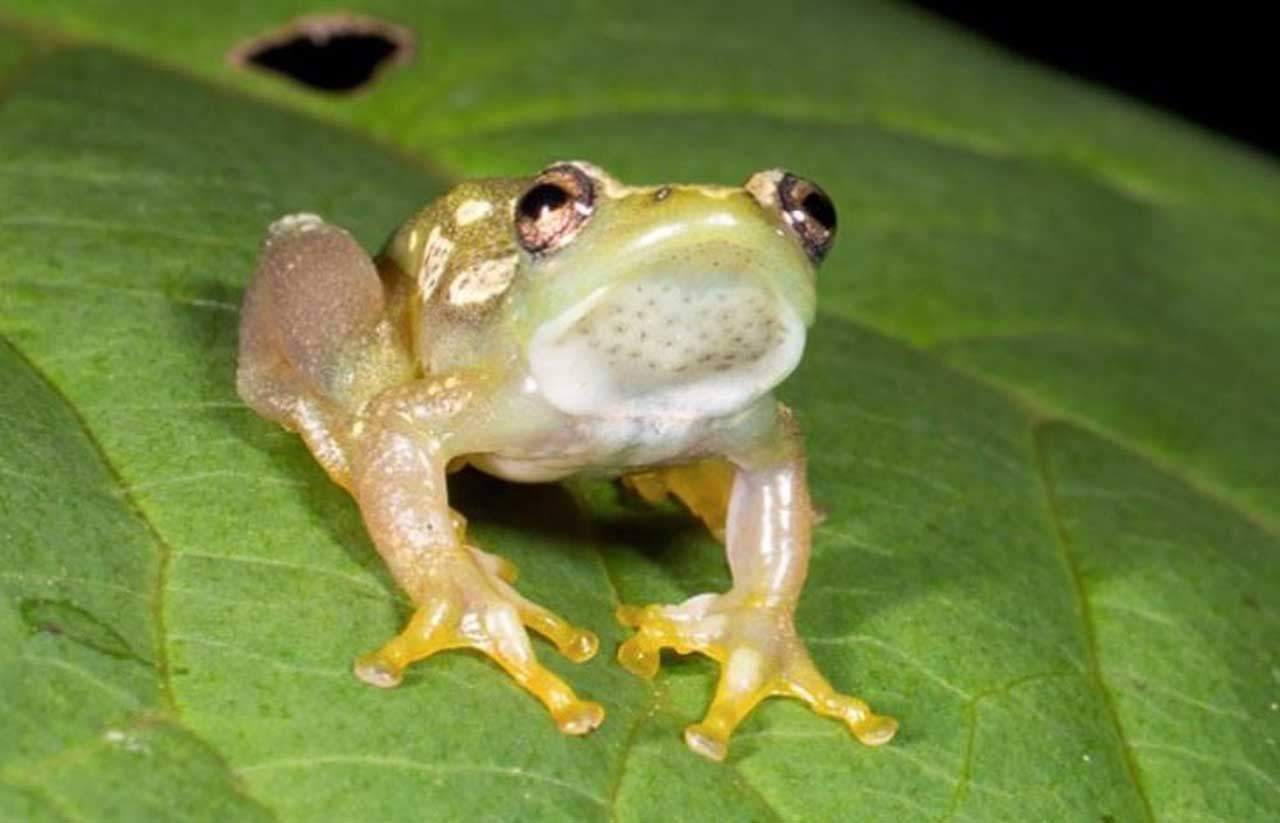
x: 677, y: 345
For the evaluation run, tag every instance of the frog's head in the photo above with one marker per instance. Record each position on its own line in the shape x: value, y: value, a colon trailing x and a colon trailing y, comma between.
x: 681, y: 299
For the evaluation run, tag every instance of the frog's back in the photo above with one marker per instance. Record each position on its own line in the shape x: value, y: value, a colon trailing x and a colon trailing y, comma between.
x: 459, y: 259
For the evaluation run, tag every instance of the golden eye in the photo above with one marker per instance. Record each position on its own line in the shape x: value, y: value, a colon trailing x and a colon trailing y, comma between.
x: 810, y: 213
x: 554, y: 209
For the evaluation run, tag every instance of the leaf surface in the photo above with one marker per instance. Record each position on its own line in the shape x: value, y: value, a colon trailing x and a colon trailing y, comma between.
x: 1040, y: 402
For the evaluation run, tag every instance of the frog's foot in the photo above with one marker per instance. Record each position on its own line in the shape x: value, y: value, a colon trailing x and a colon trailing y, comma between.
x: 760, y: 656
x: 500, y: 567
x: 474, y: 607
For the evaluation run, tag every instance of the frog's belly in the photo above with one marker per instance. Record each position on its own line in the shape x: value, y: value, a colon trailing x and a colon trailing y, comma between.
x: 599, y: 446
x: 523, y: 470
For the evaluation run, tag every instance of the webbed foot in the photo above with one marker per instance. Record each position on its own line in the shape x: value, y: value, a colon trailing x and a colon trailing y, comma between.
x: 467, y: 602
x: 760, y: 656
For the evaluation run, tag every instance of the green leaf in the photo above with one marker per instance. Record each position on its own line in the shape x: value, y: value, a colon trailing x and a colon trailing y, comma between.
x: 1040, y: 402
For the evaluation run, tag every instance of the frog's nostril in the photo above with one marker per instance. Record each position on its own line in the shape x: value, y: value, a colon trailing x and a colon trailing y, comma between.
x: 332, y: 52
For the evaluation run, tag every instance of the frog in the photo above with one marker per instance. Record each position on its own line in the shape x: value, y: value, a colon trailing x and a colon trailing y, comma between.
x: 554, y: 325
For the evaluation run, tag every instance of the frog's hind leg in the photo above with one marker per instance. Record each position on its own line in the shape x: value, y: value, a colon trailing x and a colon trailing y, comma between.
x: 315, y: 295
x: 703, y: 488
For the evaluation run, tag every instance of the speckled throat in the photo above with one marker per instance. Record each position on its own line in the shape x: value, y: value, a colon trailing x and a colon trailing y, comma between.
x: 668, y: 344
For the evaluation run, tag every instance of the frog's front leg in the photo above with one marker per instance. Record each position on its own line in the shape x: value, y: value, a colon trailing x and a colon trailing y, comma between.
x: 463, y: 596
x: 750, y: 630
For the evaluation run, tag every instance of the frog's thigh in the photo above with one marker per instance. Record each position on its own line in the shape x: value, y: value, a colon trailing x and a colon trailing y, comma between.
x: 703, y: 487
x: 314, y: 292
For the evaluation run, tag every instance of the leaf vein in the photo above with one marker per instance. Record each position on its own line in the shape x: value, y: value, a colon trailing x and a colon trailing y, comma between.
x: 364, y: 584
x: 123, y: 696
x: 1084, y: 612
x: 384, y: 761
x: 163, y: 550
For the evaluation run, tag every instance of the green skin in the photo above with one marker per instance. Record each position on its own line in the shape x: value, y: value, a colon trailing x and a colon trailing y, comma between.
x: 645, y: 341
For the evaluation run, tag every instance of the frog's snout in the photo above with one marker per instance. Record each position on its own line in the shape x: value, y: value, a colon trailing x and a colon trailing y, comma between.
x: 698, y: 345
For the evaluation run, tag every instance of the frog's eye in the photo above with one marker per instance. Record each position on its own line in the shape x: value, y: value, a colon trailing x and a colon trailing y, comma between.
x: 808, y: 211
x: 554, y: 209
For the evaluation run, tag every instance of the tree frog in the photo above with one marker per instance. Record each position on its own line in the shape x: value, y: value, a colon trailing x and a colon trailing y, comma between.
x: 543, y: 326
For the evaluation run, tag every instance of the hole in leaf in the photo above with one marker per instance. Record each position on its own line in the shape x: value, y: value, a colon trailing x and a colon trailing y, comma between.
x: 332, y: 52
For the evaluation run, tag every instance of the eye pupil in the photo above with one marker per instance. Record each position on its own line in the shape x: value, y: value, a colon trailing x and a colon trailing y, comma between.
x: 554, y: 209
x: 541, y: 199
x: 809, y: 212
x: 817, y: 206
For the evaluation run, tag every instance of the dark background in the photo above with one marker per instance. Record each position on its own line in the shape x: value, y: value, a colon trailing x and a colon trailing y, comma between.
x: 1214, y: 64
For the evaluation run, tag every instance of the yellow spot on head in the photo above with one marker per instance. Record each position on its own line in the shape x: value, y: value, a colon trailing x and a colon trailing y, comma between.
x: 434, y: 259
x: 483, y: 281
x: 471, y: 211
